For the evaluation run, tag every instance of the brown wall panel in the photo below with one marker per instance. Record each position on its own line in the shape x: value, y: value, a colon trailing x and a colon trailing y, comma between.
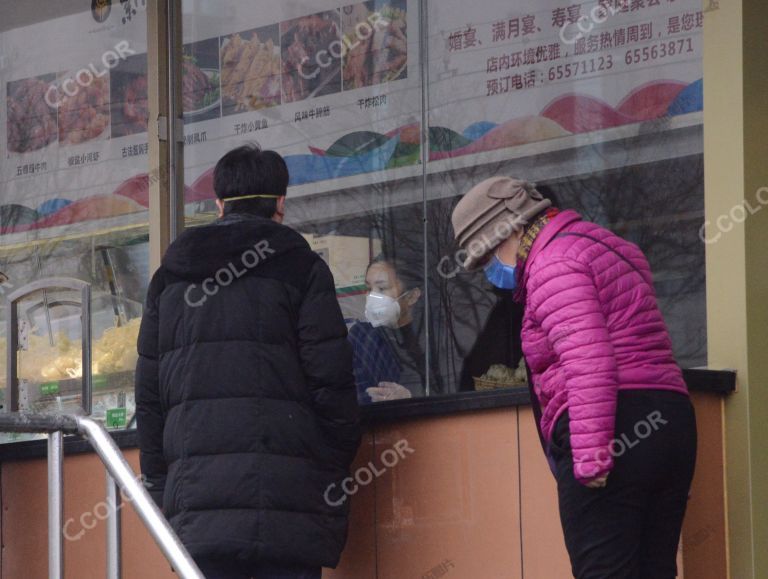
x: 359, y: 557
x: 704, y: 531
x: 453, y: 503
x: 25, y: 523
x: 142, y: 558
x: 453, y: 506
x: 544, y: 553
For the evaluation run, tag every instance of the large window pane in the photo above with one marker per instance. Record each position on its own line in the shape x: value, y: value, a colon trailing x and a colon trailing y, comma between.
x: 335, y: 88
x: 600, y: 103
x: 73, y: 190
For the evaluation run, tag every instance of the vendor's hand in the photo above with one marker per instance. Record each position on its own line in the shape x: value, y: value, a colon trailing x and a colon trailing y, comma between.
x: 598, y: 482
x: 388, y: 391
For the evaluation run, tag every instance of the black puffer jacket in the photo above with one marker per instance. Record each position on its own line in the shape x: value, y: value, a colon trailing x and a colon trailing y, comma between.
x: 245, y: 396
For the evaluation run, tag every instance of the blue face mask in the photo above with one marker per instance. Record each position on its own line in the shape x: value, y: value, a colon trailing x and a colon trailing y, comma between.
x: 500, y: 274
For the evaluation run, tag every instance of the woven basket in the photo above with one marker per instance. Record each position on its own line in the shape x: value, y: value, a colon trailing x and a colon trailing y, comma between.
x: 482, y: 384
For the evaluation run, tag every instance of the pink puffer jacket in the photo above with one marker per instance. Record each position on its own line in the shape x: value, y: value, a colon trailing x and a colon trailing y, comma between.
x: 591, y: 327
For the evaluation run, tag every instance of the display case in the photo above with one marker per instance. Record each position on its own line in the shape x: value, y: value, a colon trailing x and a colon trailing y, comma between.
x: 56, y: 328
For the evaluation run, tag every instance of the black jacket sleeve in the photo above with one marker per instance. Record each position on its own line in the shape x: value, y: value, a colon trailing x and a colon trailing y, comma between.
x: 149, y: 412
x: 326, y: 359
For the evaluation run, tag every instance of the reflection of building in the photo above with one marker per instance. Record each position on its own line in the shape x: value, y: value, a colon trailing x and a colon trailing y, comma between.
x: 626, y: 145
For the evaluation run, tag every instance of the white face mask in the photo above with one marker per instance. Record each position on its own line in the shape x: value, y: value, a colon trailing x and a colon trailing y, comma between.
x: 381, y: 310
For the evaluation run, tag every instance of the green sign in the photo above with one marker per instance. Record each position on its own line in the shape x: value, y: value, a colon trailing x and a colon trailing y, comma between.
x: 117, y: 418
x: 49, y: 388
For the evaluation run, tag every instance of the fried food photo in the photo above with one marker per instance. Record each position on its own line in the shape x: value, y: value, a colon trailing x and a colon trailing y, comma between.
x: 250, y: 73
x: 377, y: 41
x: 85, y: 114
x: 136, y: 104
x: 310, y: 68
x: 31, y: 114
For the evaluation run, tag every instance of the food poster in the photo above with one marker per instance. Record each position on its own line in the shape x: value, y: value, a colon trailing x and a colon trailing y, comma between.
x: 201, y: 91
x: 251, y: 69
x: 130, y: 103
x: 543, y: 75
x: 325, y: 83
x: 72, y: 125
x: 334, y: 87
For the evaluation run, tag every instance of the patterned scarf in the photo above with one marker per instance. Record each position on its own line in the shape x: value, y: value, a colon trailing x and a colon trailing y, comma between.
x: 532, y: 231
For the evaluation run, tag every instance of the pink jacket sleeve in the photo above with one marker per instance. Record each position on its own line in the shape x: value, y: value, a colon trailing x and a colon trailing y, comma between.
x: 567, y: 307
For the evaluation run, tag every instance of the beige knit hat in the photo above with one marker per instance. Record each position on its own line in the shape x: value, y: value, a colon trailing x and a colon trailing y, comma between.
x: 492, y: 211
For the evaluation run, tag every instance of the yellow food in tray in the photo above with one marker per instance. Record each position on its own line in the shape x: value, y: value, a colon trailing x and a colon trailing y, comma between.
x: 499, y: 373
x: 114, y: 351
x: 501, y: 376
x: 42, y: 362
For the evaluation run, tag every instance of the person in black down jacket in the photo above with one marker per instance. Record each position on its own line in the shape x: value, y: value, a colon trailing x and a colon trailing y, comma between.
x: 246, y: 402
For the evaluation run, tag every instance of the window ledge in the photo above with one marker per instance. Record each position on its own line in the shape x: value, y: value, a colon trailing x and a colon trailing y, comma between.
x: 720, y: 382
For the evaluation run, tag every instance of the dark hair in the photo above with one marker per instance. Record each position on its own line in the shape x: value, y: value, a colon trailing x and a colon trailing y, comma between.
x: 247, y: 170
x: 407, y: 278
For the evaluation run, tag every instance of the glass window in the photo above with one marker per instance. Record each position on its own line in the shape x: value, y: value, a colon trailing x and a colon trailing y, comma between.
x: 335, y: 88
x: 74, y: 192
x: 599, y: 102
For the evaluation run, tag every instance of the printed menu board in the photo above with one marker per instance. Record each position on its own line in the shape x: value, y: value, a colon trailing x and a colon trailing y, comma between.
x: 333, y: 86
x: 519, y: 74
x: 70, y: 110
x: 328, y: 86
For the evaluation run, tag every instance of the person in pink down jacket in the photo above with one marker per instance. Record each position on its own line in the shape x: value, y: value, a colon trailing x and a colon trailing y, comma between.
x: 611, y: 405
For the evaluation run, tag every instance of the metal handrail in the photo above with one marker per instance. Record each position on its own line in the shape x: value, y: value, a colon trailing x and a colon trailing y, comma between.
x: 120, y: 473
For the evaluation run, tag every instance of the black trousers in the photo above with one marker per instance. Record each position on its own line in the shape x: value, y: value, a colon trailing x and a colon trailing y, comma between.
x: 630, y: 529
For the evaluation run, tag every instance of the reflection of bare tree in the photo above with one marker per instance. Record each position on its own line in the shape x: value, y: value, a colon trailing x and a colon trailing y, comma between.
x: 461, y: 301
x: 659, y: 207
